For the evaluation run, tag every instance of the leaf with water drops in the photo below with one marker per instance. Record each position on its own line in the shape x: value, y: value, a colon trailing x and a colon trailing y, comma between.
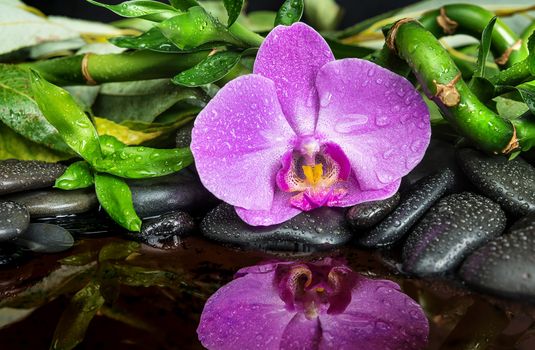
x: 233, y: 9
x: 153, y: 40
x: 60, y: 109
x: 211, y: 69
x: 183, y: 5
x: 527, y: 91
x: 78, y: 175
x: 110, y: 144
x: 116, y: 199
x: 290, y: 12
x: 150, y: 10
x: 484, y: 48
x: 144, y: 162
x: 194, y: 28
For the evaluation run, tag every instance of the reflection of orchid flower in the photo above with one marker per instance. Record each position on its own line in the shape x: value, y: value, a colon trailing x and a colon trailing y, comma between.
x: 320, y: 305
x: 306, y: 131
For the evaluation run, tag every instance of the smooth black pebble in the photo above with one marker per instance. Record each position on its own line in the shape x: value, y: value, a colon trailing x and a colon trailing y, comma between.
x: 450, y: 231
x: 11, y: 255
x: 320, y: 229
x: 510, y: 183
x: 368, y: 214
x: 23, y: 175
x: 506, y: 265
x: 14, y: 220
x: 414, y: 203
x: 45, y: 238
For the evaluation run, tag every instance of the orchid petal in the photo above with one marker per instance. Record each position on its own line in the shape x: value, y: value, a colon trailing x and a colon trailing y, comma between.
x: 301, y: 333
x: 243, y: 314
x: 281, y: 210
x: 237, y: 142
x: 355, y: 194
x: 291, y: 57
x: 376, y: 116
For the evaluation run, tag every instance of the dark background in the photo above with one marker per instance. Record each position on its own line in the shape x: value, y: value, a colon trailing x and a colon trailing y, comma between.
x: 355, y: 10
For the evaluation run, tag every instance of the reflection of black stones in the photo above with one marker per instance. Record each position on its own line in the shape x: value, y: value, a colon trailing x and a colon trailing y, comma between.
x: 320, y: 229
x: 43, y: 203
x: 181, y: 191
x: 11, y: 255
x: 45, y: 238
x: 511, y: 183
x: 90, y: 223
x: 369, y: 214
x: 413, y: 205
x: 14, y: 219
x: 451, y: 230
x: 166, y: 231
x: 18, y: 175
x: 183, y: 136
x: 506, y: 265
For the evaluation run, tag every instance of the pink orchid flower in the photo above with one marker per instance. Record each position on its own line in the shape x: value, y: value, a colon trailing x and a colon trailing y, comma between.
x: 306, y: 130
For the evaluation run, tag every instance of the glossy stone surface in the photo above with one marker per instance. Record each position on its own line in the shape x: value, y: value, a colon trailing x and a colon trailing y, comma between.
x: 511, y: 183
x: 450, y: 231
x: 320, y: 229
x: 414, y: 203
x: 45, y: 238
x: 20, y: 175
x: 11, y: 255
x: 368, y: 214
x: 166, y: 231
x: 14, y: 219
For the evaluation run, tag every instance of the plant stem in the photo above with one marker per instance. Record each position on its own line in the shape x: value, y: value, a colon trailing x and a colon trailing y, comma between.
x: 128, y: 66
x: 442, y: 82
x: 471, y: 20
x: 514, y: 75
x: 245, y: 35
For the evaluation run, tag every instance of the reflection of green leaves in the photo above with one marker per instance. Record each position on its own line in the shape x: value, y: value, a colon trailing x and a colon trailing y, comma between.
x: 290, y: 12
x: 74, y: 321
x: 116, y: 199
x: 78, y: 175
x: 211, y: 69
x: 233, y: 9
x: 150, y: 10
x: 117, y: 251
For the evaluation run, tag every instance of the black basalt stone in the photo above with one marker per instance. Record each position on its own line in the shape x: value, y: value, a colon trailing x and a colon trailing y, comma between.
x: 11, y: 255
x: 45, y: 238
x: 506, y: 265
x: 20, y: 175
x: 510, y: 183
x: 368, y: 214
x: 14, y: 219
x: 414, y: 203
x: 450, y: 231
x: 320, y: 229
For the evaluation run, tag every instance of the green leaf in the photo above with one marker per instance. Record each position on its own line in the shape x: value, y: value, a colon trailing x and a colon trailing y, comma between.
x: 110, y: 145
x: 116, y: 199
x: 144, y: 162
x: 290, y: 12
x: 258, y: 21
x: 484, y: 48
x: 482, y: 88
x: 62, y: 111
x: 78, y: 175
x: 152, y: 40
x: 75, y: 320
x: 183, y: 5
x: 141, y: 100
x: 527, y: 92
x: 13, y: 145
x: 19, y: 110
x: 341, y: 50
x: 324, y: 14
x: 150, y: 10
x: 211, y: 69
x: 194, y: 28
x: 233, y: 9
x: 509, y: 108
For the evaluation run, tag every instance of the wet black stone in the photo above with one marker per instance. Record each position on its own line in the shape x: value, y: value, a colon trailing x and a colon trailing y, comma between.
x: 43, y: 203
x: 85, y: 224
x: 166, y: 231
x: 181, y: 191
x: 506, y: 265
x: 369, y: 214
x: 183, y: 136
x: 14, y: 219
x: 19, y: 175
x: 11, y: 255
x: 414, y: 203
x: 45, y: 238
x: 511, y: 183
x: 320, y: 229
x: 450, y: 231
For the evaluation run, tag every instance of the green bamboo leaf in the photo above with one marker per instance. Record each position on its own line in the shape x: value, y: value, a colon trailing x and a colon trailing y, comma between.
x: 211, y: 69
x: 116, y: 199
x: 150, y: 10
x: 152, y: 39
x: 110, y: 145
x: 78, y: 175
x: 75, y: 320
x: 233, y: 9
x: 484, y: 48
x: 527, y: 92
x: 60, y: 109
x: 183, y: 5
x: 290, y: 12
x: 194, y: 28
x: 144, y: 162
x: 324, y: 14
x: 19, y: 110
